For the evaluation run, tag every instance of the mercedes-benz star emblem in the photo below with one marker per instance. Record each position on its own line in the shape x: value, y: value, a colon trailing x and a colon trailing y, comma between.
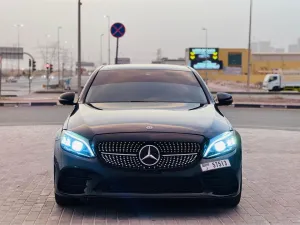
x: 149, y: 155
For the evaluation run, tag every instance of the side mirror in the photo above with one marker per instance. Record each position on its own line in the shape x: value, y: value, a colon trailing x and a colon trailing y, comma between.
x: 67, y: 98
x: 224, y: 99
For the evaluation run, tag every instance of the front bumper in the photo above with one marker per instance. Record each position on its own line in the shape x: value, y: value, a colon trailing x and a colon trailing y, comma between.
x: 265, y: 87
x: 81, y: 177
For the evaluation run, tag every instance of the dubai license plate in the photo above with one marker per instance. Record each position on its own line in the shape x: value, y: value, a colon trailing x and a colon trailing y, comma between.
x: 215, y: 165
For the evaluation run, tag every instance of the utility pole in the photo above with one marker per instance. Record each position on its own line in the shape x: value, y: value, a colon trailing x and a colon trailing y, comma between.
x: 72, y: 61
x: 101, y: 49
x: 64, y: 60
x: 58, y: 54
x: 47, y: 37
x: 0, y: 75
x: 206, y: 58
x: 18, y: 26
x: 79, y: 46
x: 108, y: 36
x: 249, y: 47
x: 63, y: 70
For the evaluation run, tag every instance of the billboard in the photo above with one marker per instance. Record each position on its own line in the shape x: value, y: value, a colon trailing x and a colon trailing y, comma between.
x: 11, y: 53
x: 204, y: 59
x: 86, y: 64
x: 124, y: 60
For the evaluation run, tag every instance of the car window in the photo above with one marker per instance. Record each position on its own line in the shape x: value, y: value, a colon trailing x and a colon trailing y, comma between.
x: 272, y: 78
x: 145, y: 86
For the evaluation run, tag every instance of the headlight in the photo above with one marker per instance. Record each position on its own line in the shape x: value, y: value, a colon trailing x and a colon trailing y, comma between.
x: 76, y: 144
x: 219, y: 145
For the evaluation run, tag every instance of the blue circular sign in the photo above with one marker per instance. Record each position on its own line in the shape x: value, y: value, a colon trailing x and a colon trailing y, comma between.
x: 117, y: 30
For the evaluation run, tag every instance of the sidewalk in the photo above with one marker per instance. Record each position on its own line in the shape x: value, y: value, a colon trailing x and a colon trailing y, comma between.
x: 226, y: 86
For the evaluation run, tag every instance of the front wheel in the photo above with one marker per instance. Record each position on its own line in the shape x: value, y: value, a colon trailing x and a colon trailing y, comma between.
x: 232, y: 202
x: 66, y: 201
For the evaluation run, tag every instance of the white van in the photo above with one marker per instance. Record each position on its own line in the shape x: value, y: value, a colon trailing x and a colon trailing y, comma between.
x: 275, y: 82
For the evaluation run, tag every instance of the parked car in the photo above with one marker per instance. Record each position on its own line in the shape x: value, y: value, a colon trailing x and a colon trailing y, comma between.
x: 147, y: 131
x: 11, y: 80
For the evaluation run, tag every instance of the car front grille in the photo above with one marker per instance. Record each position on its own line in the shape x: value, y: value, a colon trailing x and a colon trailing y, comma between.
x: 172, y: 155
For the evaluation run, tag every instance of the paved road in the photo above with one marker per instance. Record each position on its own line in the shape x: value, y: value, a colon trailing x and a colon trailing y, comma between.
x: 271, y: 176
x: 244, y: 118
x: 22, y: 86
x: 271, y: 185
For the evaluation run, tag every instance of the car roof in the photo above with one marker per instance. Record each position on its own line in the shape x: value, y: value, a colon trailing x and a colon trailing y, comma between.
x: 145, y: 66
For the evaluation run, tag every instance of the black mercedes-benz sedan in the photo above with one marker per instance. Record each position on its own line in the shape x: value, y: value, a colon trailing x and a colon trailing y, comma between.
x: 147, y: 131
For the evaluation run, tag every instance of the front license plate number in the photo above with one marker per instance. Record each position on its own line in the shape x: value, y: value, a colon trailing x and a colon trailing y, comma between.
x: 215, y: 165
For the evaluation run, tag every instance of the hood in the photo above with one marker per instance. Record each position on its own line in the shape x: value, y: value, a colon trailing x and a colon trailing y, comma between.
x: 187, y: 118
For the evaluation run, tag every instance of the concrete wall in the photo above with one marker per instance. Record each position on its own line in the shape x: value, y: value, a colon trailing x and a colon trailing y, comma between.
x: 262, y: 64
x: 254, y: 78
x: 267, y: 62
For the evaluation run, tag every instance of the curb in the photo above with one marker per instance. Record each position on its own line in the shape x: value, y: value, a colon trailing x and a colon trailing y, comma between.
x: 236, y: 105
x: 8, y: 96
x: 257, y: 93
x: 20, y: 104
x: 245, y: 105
x: 54, y: 92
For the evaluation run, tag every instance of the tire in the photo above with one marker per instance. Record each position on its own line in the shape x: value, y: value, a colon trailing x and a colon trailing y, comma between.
x: 232, y: 202
x: 66, y: 201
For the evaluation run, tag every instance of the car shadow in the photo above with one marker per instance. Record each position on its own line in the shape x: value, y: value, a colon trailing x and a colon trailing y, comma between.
x: 131, y: 209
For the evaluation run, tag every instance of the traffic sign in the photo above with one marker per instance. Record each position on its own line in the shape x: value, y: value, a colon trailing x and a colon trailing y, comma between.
x: 117, y: 30
x: 11, y: 53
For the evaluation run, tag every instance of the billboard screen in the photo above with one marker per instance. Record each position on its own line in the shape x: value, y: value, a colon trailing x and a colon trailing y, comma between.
x: 205, y: 59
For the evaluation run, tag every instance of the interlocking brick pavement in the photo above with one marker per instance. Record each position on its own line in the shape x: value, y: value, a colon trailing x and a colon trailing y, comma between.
x: 271, y: 187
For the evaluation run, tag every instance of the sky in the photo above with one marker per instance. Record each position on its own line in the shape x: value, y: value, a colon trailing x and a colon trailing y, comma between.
x: 172, y: 25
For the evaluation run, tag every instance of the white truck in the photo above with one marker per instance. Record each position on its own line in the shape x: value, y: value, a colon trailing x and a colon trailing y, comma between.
x: 276, y: 82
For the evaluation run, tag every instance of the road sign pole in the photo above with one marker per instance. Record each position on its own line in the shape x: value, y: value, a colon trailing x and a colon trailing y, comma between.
x: 0, y: 73
x: 117, y: 51
x: 117, y: 30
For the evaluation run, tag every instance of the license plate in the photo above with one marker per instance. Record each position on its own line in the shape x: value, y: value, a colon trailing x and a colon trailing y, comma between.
x: 215, y: 165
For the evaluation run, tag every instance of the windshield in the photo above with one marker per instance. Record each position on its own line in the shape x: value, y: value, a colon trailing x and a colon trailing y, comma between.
x: 146, y: 86
x: 267, y: 78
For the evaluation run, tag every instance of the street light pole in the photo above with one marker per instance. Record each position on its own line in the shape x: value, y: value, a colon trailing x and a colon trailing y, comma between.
x: 18, y: 31
x: 64, y: 56
x: 101, y: 49
x: 108, y: 30
x: 249, y: 47
x: 58, y: 53
x: 79, y: 46
x: 47, y: 37
x: 206, y: 75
